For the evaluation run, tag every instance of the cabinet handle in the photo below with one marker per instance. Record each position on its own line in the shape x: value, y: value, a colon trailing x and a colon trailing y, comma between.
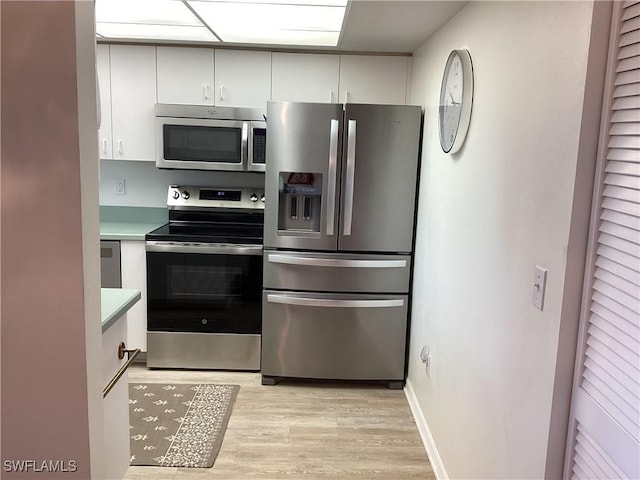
x: 330, y: 96
x: 120, y: 146
x: 221, y: 92
x: 206, y: 91
x: 104, y: 146
x: 131, y: 355
x: 346, y: 96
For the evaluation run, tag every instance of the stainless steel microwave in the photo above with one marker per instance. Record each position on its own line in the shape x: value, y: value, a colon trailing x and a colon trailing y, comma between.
x: 201, y: 137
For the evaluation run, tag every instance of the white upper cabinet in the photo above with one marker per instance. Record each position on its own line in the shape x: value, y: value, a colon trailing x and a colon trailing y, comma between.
x: 185, y: 75
x: 243, y: 78
x: 373, y: 79
x: 301, y: 77
x: 104, y: 85
x: 133, y: 98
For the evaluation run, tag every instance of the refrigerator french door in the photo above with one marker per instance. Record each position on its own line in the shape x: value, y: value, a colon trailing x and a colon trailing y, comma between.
x: 339, y: 228
x: 341, y: 180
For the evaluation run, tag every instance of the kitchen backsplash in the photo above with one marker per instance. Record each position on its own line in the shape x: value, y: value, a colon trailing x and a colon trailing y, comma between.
x: 146, y: 186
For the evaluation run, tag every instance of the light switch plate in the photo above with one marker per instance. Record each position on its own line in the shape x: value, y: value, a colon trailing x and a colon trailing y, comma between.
x: 539, y: 284
x: 120, y: 186
x: 425, y: 356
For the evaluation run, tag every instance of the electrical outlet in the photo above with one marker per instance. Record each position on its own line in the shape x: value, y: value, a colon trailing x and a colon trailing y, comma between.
x: 539, y: 284
x: 425, y: 356
x: 120, y: 187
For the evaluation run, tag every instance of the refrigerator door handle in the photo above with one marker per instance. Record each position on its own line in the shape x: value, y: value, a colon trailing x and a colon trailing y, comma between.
x: 350, y: 180
x: 336, y: 303
x: 334, y: 262
x: 332, y: 180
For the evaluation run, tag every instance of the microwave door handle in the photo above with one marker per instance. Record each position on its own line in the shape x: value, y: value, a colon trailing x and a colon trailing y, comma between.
x: 332, y: 180
x: 250, y: 164
x: 350, y: 178
x: 245, y: 145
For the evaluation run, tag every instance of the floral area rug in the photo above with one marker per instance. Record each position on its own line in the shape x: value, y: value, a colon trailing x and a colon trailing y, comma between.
x: 178, y: 425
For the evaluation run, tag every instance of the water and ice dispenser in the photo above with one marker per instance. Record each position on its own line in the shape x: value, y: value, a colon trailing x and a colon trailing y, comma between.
x: 300, y: 202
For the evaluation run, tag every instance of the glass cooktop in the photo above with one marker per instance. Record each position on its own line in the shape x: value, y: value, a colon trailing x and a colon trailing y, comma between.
x: 208, y: 233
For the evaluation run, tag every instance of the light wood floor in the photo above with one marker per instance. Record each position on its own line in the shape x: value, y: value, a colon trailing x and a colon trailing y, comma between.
x: 303, y: 430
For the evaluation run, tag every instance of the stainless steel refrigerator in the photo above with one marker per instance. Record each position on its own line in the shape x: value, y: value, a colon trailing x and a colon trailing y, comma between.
x: 340, y: 186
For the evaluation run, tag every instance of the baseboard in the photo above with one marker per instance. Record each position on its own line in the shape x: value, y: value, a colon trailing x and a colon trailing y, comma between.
x: 425, y: 434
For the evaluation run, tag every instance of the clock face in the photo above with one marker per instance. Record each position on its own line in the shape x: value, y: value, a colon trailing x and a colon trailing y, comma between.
x: 455, y: 101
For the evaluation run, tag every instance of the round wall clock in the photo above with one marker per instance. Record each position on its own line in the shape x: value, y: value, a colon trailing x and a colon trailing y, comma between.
x: 456, y: 98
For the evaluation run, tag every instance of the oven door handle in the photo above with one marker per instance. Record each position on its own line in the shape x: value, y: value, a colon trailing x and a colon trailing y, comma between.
x: 205, y: 248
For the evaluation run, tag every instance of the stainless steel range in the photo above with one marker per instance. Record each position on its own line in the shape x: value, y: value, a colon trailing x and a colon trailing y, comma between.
x: 204, y: 280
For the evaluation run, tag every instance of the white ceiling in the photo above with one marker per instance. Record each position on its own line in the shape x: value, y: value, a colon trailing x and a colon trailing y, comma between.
x: 394, y: 25
x: 382, y: 26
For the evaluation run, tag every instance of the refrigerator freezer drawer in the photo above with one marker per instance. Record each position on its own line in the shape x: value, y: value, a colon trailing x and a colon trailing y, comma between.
x: 334, y: 336
x: 336, y: 272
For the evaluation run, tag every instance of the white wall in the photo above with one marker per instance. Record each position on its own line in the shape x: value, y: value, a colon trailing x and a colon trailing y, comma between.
x: 487, y: 216
x: 51, y: 397
x: 146, y: 185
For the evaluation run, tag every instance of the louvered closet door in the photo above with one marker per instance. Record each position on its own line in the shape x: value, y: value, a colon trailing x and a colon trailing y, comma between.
x: 604, y: 438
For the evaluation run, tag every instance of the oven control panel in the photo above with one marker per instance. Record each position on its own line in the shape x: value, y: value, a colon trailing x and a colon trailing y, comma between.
x: 214, y: 197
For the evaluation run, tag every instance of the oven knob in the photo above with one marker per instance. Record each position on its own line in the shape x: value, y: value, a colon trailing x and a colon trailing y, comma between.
x: 253, y: 198
x: 185, y: 195
x: 176, y: 195
x: 262, y: 199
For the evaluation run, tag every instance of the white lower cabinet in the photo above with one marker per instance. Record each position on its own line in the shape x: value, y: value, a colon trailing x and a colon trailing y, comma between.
x: 116, y: 404
x: 134, y: 275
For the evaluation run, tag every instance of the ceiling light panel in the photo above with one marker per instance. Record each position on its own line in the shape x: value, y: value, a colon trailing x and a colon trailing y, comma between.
x: 295, y: 22
x: 334, y: 3
x: 155, y: 12
x: 139, y: 31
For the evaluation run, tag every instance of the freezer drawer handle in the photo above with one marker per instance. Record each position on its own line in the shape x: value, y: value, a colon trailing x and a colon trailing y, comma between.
x: 334, y: 262
x: 326, y: 302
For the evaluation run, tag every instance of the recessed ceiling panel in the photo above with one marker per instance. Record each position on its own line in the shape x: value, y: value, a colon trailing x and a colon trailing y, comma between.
x: 155, y: 32
x: 263, y: 22
x: 157, y: 12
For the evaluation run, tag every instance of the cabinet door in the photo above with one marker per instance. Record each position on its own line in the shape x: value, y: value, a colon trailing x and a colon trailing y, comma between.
x: 185, y: 75
x: 116, y: 451
x: 133, y: 98
x: 243, y: 79
x: 300, y: 77
x: 104, y: 84
x: 134, y: 275
x: 373, y: 79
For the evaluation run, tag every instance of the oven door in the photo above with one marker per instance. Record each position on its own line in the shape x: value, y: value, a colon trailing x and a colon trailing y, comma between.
x: 204, y: 289
x: 201, y: 144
